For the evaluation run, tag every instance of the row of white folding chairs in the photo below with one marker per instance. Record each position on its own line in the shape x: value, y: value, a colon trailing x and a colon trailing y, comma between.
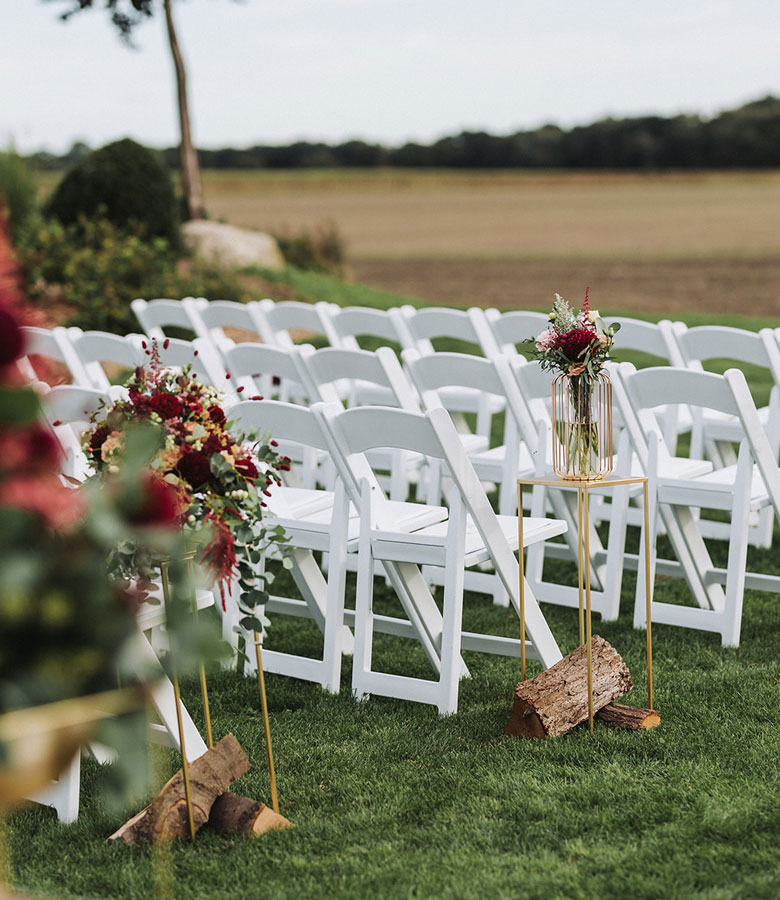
x: 93, y: 358
x: 356, y: 517
x: 318, y: 371
x: 488, y: 332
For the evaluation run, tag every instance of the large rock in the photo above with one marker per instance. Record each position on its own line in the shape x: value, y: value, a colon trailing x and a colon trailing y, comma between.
x: 229, y: 246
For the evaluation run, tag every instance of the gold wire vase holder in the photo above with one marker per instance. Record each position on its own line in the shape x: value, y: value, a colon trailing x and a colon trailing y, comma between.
x: 582, y: 426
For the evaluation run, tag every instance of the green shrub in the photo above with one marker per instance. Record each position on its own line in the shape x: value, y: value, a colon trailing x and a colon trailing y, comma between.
x: 129, y: 182
x: 96, y: 268
x: 18, y: 192
x: 320, y: 250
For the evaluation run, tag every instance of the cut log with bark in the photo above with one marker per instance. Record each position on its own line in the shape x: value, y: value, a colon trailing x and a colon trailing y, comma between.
x: 616, y: 715
x: 166, y: 819
x: 234, y: 814
x: 556, y: 700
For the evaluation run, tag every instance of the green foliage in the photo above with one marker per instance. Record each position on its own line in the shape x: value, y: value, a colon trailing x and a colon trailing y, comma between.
x: 96, y: 268
x: 319, y: 250
x: 18, y: 192
x: 124, y: 182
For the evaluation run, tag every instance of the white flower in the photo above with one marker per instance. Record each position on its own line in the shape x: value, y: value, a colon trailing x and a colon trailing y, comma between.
x: 593, y: 314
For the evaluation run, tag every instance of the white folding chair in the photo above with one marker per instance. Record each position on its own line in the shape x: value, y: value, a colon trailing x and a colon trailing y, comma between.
x: 280, y: 323
x: 212, y: 317
x: 468, y: 327
x: 52, y: 345
x: 336, y: 375
x: 155, y: 316
x: 750, y: 485
x: 104, y: 356
x: 316, y: 520
x: 382, y: 327
x: 471, y: 535
x: 508, y: 329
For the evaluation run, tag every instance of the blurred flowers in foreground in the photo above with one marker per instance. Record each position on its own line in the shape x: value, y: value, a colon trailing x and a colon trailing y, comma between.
x: 67, y: 627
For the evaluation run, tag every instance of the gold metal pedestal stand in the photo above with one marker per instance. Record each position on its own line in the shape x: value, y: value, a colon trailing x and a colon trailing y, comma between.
x: 583, y: 488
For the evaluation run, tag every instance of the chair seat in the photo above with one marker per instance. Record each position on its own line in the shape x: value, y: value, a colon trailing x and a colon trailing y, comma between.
x: 293, y: 502
x: 427, y: 546
x: 489, y: 464
x: 711, y: 490
x: 469, y: 399
x: 313, y: 531
x: 720, y: 426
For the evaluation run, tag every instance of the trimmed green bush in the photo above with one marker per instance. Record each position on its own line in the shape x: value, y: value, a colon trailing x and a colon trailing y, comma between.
x: 125, y: 183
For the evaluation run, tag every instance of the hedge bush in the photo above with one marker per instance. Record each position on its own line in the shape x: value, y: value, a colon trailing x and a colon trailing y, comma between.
x: 95, y: 268
x: 127, y: 184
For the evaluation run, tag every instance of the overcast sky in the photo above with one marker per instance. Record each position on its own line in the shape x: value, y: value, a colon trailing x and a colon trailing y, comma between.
x: 272, y: 71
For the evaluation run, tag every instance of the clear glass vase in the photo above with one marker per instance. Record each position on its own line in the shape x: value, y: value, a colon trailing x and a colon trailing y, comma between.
x: 582, y: 426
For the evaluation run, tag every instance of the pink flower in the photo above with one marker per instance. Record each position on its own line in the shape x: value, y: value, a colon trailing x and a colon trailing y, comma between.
x: 546, y: 339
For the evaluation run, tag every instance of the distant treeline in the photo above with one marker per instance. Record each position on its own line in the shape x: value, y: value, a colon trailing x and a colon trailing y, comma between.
x: 748, y: 137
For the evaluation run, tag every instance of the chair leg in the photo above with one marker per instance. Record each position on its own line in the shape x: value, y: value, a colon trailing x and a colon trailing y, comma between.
x: 452, y: 619
x: 364, y: 600
x: 738, y: 541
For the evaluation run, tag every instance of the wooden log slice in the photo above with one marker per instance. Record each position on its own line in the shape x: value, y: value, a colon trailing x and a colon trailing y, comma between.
x: 556, y: 700
x: 166, y: 819
x: 233, y: 814
x: 616, y: 715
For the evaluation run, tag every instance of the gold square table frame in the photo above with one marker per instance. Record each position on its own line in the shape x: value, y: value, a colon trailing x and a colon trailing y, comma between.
x: 583, y: 488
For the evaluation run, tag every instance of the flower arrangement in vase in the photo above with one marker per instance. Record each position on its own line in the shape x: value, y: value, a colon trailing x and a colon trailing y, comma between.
x: 577, y: 345
x: 214, y: 479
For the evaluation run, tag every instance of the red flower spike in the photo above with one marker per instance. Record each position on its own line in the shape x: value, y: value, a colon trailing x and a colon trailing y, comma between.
x: 586, y: 307
x: 166, y: 343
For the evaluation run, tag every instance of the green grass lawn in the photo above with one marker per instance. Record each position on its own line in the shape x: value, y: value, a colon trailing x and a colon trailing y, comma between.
x: 390, y: 800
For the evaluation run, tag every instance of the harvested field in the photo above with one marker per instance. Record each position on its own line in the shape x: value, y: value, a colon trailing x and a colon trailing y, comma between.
x: 663, y: 287
x: 663, y: 243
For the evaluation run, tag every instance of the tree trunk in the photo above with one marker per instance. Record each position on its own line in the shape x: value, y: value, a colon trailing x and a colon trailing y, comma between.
x: 233, y: 814
x: 165, y: 819
x: 188, y: 156
x: 556, y: 700
x: 616, y: 715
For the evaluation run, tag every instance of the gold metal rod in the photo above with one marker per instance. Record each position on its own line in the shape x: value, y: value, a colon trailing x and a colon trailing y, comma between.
x: 579, y: 566
x: 185, y: 767
x: 586, y: 524
x: 266, y: 725
x: 204, y: 691
x: 648, y: 598
x: 522, y: 578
